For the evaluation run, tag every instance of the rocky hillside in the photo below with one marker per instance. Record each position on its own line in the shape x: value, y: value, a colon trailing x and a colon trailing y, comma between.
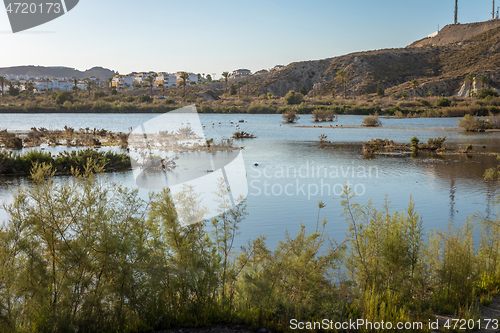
x: 440, y: 65
x: 99, y: 72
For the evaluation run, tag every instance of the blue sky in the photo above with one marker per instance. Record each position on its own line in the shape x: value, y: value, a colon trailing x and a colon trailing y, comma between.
x: 215, y: 36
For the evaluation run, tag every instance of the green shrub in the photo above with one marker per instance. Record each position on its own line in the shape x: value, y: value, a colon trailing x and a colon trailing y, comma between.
x: 486, y: 92
x: 303, y: 90
x: 99, y: 94
x: 232, y: 89
x: 293, y: 98
x: 486, y: 299
x: 144, y: 98
x: 380, y: 91
x: 67, y: 105
x: 393, y: 109
x: 414, y: 141
x: 424, y: 102
x: 443, y: 102
x: 129, y: 99
x: 63, y: 96
x: 296, y: 280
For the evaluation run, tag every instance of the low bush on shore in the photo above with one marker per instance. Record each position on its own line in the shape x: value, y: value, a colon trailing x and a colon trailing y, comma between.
x: 324, y: 115
x: 478, y: 124
x: 371, y: 121
x: 85, y: 255
x: 290, y: 116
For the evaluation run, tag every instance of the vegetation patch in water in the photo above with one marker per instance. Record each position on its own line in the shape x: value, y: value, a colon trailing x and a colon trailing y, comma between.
x: 13, y: 163
x: 83, y: 137
x: 384, y: 146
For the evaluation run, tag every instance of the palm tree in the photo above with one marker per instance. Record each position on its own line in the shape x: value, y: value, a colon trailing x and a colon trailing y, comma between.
x: 184, y: 76
x: 75, y: 87
x: 483, y: 79
x: 89, y: 84
x: 3, y: 82
x: 470, y: 80
x: 414, y: 85
x: 150, y: 80
x: 226, y: 76
x: 342, y: 77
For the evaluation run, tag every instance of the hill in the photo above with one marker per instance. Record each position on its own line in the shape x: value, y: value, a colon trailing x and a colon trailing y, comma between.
x: 440, y: 65
x: 99, y: 72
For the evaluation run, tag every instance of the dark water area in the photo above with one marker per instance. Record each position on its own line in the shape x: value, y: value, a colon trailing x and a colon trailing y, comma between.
x: 294, y: 174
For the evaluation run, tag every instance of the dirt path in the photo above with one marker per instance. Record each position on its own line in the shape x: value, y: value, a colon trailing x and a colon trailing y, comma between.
x: 490, y: 312
x: 487, y: 312
x: 215, y: 329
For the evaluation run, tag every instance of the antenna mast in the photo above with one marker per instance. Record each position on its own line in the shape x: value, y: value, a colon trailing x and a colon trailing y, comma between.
x: 456, y: 11
x: 493, y: 11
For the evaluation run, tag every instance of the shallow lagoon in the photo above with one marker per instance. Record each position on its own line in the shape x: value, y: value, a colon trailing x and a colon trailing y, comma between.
x: 293, y: 173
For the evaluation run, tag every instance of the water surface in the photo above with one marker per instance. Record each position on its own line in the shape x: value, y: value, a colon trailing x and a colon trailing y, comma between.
x: 444, y: 189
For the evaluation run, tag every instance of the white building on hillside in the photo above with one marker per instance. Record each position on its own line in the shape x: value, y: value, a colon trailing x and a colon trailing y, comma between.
x: 276, y: 68
x: 166, y: 79
x: 191, y: 78
x: 434, y: 34
x: 240, y: 73
x: 141, y: 78
x: 55, y: 85
x: 123, y: 81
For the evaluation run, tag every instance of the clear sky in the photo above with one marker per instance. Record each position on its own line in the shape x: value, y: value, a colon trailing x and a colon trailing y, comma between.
x: 203, y: 36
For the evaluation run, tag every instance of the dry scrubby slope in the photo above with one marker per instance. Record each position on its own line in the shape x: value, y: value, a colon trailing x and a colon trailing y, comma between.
x: 461, y: 49
x: 456, y: 33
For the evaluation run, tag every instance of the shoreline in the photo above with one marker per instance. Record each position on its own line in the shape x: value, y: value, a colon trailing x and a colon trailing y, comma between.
x: 399, y: 128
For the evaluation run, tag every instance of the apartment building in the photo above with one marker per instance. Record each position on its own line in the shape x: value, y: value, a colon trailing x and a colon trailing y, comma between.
x: 191, y: 78
x: 240, y: 73
x: 166, y: 79
x: 123, y: 81
x: 54, y: 84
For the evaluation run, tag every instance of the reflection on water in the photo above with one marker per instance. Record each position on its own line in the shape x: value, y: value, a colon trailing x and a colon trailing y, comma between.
x: 444, y: 189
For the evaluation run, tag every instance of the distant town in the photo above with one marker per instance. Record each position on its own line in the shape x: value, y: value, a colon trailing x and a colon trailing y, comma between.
x: 42, y: 84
